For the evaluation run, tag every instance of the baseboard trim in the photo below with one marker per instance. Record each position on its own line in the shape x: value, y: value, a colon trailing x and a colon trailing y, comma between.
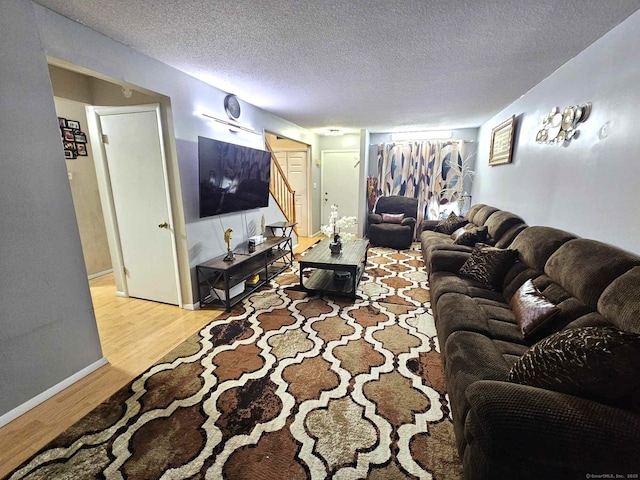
x: 47, y: 394
x: 121, y: 294
x: 191, y: 306
x: 100, y: 274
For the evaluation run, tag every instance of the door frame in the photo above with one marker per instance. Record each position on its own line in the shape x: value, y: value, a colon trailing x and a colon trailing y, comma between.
x: 303, y: 146
x: 106, y: 193
x: 322, y: 163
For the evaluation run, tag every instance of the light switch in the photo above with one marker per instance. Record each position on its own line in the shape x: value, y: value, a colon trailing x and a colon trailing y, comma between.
x: 70, y: 175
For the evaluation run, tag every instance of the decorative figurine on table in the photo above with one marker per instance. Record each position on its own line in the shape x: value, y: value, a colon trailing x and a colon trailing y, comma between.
x: 262, y: 227
x: 229, y: 257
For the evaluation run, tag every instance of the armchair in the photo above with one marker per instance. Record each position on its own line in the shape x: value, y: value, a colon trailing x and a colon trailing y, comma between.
x: 393, y: 222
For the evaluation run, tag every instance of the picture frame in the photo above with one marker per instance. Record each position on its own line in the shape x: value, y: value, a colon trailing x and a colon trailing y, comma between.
x: 73, y: 124
x: 69, y: 154
x: 80, y: 137
x: 68, y: 135
x: 501, y: 148
x: 62, y: 122
x: 81, y: 148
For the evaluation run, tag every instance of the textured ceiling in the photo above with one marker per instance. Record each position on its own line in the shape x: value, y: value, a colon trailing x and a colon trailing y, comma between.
x: 378, y: 64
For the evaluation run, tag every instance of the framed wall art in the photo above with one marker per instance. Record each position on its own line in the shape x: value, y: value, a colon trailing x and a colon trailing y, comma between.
x: 502, y: 142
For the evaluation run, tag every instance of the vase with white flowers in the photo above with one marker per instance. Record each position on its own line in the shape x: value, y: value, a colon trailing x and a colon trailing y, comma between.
x: 333, y: 229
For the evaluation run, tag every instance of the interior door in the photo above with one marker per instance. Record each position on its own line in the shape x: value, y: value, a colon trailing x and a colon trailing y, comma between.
x: 340, y: 183
x: 297, y: 176
x: 294, y: 164
x: 137, y: 173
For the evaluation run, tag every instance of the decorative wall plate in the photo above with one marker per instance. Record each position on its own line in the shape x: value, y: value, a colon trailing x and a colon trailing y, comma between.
x: 560, y: 128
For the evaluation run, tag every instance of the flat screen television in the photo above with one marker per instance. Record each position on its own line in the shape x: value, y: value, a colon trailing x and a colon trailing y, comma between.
x: 233, y: 178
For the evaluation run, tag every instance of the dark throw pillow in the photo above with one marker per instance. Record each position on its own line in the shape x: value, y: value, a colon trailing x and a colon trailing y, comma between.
x: 392, y: 217
x: 488, y: 265
x: 531, y: 308
x: 469, y: 236
x: 450, y: 224
x: 596, y: 363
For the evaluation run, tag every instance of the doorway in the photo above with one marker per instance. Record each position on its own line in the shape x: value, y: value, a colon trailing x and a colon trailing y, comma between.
x: 134, y: 190
x: 294, y: 159
x: 340, y: 180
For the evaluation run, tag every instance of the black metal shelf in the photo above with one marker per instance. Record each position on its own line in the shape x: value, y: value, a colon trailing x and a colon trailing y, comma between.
x: 268, y: 260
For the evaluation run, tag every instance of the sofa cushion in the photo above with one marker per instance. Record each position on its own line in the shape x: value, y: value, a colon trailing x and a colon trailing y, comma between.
x: 584, y: 268
x: 392, y: 217
x: 531, y: 309
x: 499, y: 223
x: 469, y: 236
x: 620, y: 302
x: 488, y: 265
x: 481, y: 215
x: 450, y: 224
x: 597, y: 363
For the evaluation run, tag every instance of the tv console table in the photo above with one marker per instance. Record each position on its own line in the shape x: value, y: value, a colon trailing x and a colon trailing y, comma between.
x: 225, y: 284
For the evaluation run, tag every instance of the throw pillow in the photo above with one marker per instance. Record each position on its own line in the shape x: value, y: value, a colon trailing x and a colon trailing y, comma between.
x: 531, y: 308
x: 450, y: 224
x: 469, y: 236
x: 392, y: 217
x: 488, y: 265
x: 597, y: 363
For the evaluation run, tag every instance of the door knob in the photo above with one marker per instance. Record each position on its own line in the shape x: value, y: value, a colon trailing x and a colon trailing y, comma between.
x: 163, y: 225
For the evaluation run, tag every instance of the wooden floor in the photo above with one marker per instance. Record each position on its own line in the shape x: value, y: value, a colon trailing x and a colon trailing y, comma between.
x: 134, y: 334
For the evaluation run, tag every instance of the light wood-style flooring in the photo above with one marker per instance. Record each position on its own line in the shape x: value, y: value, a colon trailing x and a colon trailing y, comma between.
x: 134, y: 334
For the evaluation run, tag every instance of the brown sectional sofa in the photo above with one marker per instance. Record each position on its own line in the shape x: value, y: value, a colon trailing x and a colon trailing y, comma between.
x: 506, y: 430
x: 502, y: 228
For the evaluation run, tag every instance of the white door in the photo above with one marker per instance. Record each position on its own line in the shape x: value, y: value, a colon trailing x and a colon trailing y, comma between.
x: 136, y: 166
x: 294, y: 164
x: 340, y: 183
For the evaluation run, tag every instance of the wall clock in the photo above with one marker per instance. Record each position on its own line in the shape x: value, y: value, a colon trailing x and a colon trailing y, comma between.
x: 232, y: 106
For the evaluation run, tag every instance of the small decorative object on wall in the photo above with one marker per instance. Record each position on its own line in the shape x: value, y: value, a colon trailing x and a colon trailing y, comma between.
x: 232, y: 106
x: 502, y: 142
x: 560, y: 127
x: 74, y: 139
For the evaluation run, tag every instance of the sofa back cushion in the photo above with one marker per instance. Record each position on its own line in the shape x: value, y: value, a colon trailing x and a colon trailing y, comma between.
x: 473, y: 210
x: 585, y: 268
x: 536, y: 244
x: 499, y: 223
x: 482, y: 214
x: 620, y: 301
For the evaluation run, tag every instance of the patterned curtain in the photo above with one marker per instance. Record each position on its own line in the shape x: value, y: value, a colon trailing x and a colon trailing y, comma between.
x: 419, y: 170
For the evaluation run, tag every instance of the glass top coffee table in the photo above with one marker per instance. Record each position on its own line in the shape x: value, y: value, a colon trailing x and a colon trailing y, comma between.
x: 337, y: 274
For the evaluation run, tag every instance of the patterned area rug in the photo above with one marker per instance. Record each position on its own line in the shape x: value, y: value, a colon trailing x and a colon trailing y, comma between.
x: 286, y: 386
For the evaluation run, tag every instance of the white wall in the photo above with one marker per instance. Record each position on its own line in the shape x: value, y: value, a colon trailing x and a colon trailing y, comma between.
x: 590, y: 187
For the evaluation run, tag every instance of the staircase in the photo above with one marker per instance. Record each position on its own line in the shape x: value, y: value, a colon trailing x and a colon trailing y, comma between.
x: 281, y: 189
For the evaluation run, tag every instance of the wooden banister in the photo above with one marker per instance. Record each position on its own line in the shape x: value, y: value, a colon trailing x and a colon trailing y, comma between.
x: 281, y: 189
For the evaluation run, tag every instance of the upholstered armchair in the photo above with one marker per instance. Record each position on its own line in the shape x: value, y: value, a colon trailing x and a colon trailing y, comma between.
x: 393, y: 222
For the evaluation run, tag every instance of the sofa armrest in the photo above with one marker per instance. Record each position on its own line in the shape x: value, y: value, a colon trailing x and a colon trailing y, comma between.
x: 508, y: 420
x: 408, y: 221
x: 448, y: 260
x: 374, y: 218
x: 429, y: 225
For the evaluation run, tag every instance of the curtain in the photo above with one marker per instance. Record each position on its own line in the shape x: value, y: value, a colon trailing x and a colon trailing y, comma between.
x: 420, y: 170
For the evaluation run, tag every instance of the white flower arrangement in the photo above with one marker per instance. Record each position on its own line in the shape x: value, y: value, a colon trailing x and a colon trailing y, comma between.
x: 335, y: 224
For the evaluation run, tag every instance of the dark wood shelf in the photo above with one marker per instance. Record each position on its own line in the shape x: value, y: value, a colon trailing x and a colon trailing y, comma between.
x: 269, y: 259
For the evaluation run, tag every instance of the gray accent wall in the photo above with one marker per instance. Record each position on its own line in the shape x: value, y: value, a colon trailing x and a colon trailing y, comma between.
x: 47, y: 325
x: 590, y: 187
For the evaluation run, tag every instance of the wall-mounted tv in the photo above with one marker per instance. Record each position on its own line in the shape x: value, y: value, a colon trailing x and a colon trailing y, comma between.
x: 233, y: 178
